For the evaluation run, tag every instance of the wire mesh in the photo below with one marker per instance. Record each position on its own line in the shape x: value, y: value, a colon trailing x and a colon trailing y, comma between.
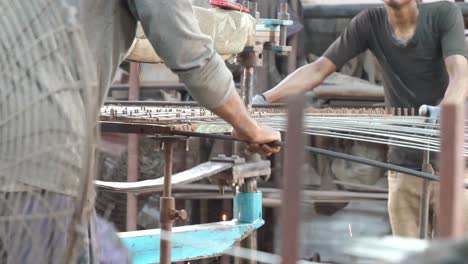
x: 47, y: 116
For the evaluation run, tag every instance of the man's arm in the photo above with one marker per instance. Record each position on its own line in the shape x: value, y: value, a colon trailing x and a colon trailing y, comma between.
x: 301, y: 80
x: 457, y: 68
x: 352, y: 42
x: 173, y: 31
x: 452, y: 37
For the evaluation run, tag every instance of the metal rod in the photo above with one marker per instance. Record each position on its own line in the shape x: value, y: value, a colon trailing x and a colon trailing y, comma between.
x: 174, y: 103
x: 283, y: 14
x: 247, y: 85
x: 168, y: 149
x: 424, y: 202
x: 329, y: 153
x: 451, y: 209
x: 292, y: 173
x: 133, y: 151
x: 250, y: 185
x: 167, y: 205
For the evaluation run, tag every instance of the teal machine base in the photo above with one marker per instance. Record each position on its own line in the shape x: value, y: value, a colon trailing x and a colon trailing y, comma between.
x: 199, y: 241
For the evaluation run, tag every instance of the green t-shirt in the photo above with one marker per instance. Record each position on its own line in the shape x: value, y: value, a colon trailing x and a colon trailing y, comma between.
x: 414, y: 72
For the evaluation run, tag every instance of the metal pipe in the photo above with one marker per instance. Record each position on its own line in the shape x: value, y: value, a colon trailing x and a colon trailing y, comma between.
x: 247, y: 85
x: 294, y: 41
x: 292, y: 173
x: 253, y: 8
x: 451, y: 209
x: 424, y: 202
x: 168, y: 149
x: 332, y: 154
x: 174, y: 103
x: 133, y: 146
x: 250, y: 185
x: 167, y: 205
x: 283, y: 15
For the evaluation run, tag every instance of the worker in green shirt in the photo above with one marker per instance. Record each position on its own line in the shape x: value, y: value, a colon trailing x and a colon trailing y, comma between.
x: 421, y: 48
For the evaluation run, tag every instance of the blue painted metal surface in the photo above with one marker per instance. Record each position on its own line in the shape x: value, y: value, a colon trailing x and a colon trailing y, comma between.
x: 276, y: 22
x: 248, y: 207
x: 267, y: 28
x: 199, y: 241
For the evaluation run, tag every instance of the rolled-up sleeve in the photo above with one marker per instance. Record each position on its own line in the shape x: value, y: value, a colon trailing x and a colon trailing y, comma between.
x: 451, y: 30
x: 173, y: 30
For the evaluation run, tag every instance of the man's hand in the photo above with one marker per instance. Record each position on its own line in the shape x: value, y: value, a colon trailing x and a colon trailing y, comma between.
x: 431, y: 112
x: 246, y: 128
x: 258, y: 139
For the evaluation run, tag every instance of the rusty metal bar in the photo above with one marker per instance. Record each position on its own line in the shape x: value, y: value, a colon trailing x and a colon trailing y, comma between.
x: 294, y: 42
x: 247, y: 85
x: 424, y: 202
x: 451, y: 209
x: 133, y: 143
x: 250, y: 185
x: 167, y: 205
x: 283, y: 14
x: 168, y: 149
x: 292, y: 173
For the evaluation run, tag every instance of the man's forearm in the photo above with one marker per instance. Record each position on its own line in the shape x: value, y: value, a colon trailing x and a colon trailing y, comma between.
x: 234, y: 112
x: 457, y: 68
x: 302, y: 80
x: 456, y: 91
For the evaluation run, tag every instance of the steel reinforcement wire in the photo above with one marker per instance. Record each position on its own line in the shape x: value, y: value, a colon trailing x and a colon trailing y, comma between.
x: 329, y: 153
x: 368, y: 125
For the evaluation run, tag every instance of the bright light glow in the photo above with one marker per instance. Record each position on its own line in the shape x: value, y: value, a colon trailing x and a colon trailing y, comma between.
x: 224, y: 217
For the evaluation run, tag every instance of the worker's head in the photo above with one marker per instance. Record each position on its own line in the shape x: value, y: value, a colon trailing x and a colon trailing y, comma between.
x: 397, y: 4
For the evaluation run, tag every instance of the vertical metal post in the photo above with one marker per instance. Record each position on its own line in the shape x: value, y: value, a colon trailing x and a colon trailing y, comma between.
x: 167, y: 205
x: 451, y: 209
x: 292, y: 173
x: 284, y: 15
x: 253, y: 8
x: 294, y: 41
x: 133, y: 163
x: 424, y: 203
x: 247, y: 85
x: 227, y: 209
x: 250, y: 186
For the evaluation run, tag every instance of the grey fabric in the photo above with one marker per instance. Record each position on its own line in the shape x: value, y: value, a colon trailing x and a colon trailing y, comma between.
x: 415, y: 73
x: 37, y: 228
x: 44, y: 145
x: 45, y: 127
x: 110, y: 249
x: 40, y: 230
x: 173, y: 31
x: 186, y: 51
